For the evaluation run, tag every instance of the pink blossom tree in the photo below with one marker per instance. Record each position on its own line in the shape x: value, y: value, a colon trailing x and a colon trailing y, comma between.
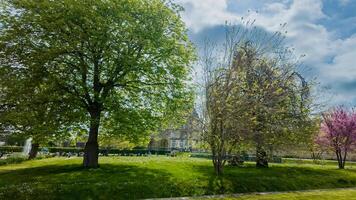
x: 338, y: 132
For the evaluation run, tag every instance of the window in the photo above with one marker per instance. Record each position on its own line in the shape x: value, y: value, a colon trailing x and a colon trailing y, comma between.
x: 173, y: 142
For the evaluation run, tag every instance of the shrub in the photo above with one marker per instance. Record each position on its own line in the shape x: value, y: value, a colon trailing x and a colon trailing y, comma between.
x: 13, y: 158
x: 236, y: 161
x: 10, y: 149
x: 76, y: 150
x: 65, y: 149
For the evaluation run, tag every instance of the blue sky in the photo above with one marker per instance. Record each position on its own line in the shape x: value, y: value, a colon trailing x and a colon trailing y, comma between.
x: 324, y: 30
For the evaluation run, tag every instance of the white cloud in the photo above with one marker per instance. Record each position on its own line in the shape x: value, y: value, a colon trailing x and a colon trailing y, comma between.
x: 204, y: 13
x: 343, y: 65
x: 331, y: 56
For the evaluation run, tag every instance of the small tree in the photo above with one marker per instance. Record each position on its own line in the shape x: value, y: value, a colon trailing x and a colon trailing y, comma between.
x: 222, y: 113
x: 338, y: 132
x: 254, y: 95
x: 224, y: 116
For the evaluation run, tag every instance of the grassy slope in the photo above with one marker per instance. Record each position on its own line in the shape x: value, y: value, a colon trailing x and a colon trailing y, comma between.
x: 148, y: 177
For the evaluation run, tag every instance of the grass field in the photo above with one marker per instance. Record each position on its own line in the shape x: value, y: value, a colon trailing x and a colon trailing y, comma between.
x: 150, y: 177
x: 344, y: 194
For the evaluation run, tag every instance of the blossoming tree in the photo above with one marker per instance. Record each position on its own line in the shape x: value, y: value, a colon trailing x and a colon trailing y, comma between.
x: 338, y: 132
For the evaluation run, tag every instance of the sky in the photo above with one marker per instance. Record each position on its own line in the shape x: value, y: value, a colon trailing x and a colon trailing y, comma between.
x: 323, y: 30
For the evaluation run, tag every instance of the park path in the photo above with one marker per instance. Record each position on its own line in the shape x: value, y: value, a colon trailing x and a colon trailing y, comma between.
x: 253, y: 193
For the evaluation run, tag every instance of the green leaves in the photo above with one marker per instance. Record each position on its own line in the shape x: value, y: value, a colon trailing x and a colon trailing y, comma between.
x: 130, y: 59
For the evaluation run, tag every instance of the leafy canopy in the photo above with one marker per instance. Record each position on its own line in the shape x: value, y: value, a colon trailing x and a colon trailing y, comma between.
x: 61, y: 60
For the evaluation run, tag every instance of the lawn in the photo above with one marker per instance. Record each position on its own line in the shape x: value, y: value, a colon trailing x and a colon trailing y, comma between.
x: 345, y: 194
x: 159, y: 176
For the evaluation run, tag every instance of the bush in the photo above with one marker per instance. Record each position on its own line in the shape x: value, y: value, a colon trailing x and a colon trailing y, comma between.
x: 64, y: 149
x: 13, y: 158
x: 10, y: 149
x: 76, y: 150
x: 106, y: 151
x: 43, y: 156
x: 201, y: 155
x: 236, y: 161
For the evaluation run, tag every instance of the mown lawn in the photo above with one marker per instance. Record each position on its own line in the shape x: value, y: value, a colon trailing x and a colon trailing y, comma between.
x: 151, y: 177
x: 347, y: 194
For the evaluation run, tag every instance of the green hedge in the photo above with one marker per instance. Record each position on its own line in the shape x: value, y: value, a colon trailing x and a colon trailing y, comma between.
x: 19, y: 158
x: 133, y: 151
x: 248, y: 158
x: 201, y: 155
x: 62, y: 149
x: 10, y: 149
x: 13, y: 158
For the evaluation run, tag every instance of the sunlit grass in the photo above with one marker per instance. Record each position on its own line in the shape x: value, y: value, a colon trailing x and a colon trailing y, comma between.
x: 345, y: 194
x: 149, y: 177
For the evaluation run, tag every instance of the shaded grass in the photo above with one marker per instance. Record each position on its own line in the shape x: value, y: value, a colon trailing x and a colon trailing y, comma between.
x: 152, y: 177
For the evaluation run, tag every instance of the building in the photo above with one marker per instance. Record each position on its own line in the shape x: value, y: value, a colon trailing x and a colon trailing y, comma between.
x: 185, y: 138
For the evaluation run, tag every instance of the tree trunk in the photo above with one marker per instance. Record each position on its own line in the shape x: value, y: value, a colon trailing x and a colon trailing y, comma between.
x: 218, y: 166
x: 261, y: 157
x: 217, y: 162
x: 339, y: 159
x: 91, y: 150
x: 344, y: 159
x: 33, y: 152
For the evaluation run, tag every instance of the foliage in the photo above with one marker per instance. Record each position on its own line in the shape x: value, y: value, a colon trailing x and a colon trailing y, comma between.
x: 223, y: 115
x: 13, y: 158
x: 110, y: 140
x: 122, y: 151
x: 8, y: 149
x: 254, y: 96
x: 120, y: 66
x: 278, y: 102
x: 338, y: 132
x: 159, y: 176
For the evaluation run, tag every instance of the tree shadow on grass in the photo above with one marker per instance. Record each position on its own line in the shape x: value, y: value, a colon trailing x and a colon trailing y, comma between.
x: 276, y: 178
x: 73, y: 182
x: 131, y: 181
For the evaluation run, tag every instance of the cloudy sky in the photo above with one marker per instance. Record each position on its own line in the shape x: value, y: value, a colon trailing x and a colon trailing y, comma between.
x: 324, y: 30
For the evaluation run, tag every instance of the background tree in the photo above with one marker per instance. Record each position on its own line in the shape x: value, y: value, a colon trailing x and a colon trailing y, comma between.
x: 278, y: 100
x: 224, y: 116
x: 224, y: 120
x: 253, y: 94
x: 338, y: 132
x: 28, y: 113
x: 125, y: 61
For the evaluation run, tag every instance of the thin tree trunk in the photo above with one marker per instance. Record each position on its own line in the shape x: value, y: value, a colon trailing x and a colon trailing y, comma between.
x: 344, y: 159
x: 339, y: 159
x: 33, y: 152
x: 218, y: 166
x: 261, y: 157
x: 261, y: 154
x: 91, y: 149
x: 217, y: 162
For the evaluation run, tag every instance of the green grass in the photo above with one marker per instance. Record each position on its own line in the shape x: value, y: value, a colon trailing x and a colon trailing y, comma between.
x: 159, y: 176
x: 320, y: 162
x: 348, y: 194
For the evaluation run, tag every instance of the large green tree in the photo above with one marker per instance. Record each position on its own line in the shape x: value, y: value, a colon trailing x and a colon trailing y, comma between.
x: 118, y: 64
